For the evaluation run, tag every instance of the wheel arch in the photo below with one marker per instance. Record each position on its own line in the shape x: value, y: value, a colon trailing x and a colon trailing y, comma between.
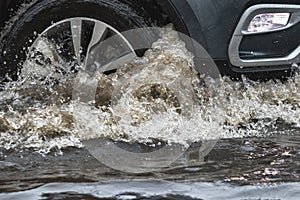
x: 183, y: 18
x: 177, y: 12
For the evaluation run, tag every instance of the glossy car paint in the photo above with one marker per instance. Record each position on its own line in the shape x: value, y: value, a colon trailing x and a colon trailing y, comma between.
x: 218, y: 20
x: 211, y: 23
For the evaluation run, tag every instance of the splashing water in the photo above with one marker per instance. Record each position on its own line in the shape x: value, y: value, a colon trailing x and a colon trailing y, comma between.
x: 158, y: 96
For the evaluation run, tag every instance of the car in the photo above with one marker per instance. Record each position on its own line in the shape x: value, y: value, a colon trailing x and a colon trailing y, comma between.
x: 254, y: 38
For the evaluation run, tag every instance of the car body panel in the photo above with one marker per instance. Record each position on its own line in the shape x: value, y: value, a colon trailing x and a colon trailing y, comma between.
x: 209, y: 22
x: 218, y: 20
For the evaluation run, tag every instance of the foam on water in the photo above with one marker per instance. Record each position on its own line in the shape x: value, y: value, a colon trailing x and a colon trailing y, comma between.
x: 158, y: 96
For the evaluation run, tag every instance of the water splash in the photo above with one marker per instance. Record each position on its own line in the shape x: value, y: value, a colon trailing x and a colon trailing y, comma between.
x: 159, y: 96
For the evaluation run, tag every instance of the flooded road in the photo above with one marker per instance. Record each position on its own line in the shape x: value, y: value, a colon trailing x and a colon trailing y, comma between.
x: 248, y: 168
x: 254, y: 129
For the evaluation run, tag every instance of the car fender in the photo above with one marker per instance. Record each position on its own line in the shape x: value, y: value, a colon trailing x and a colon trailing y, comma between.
x: 183, y: 18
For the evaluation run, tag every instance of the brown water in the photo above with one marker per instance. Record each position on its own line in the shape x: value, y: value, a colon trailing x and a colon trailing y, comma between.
x: 248, y: 168
x: 256, y: 127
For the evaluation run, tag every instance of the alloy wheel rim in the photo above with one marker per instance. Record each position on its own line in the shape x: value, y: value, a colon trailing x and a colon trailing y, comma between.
x: 85, y: 38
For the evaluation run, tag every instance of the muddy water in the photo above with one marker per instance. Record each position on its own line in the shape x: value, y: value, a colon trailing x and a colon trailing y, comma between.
x: 256, y: 126
x: 248, y: 168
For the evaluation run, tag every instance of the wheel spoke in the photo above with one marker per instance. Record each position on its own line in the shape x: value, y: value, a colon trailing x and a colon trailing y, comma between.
x: 98, y: 33
x: 114, y: 64
x: 102, y: 53
x: 76, y: 26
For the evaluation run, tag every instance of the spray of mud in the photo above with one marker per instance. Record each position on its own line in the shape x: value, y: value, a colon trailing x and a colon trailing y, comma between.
x: 158, y: 96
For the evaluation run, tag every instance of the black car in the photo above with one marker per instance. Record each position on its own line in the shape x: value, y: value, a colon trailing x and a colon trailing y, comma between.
x: 256, y: 38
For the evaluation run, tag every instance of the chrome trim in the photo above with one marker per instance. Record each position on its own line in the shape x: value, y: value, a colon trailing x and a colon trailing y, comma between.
x: 242, y: 27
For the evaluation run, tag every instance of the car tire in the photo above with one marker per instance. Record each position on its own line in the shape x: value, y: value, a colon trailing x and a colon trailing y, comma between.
x: 42, y: 14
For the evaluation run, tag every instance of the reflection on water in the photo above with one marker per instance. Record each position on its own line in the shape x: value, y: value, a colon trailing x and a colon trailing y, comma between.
x: 272, y: 163
x: 157, y: 189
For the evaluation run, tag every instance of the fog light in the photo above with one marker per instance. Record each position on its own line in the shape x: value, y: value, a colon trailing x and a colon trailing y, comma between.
x: 268, y: 22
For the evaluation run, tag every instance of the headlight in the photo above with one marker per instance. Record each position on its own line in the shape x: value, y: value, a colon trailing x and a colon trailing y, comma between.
x: 266, y: 22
